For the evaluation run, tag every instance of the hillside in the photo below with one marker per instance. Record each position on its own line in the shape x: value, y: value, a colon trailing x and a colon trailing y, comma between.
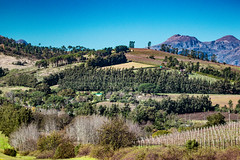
x: 7, y: 62
x: 226, y: 48
x: 142, y: 56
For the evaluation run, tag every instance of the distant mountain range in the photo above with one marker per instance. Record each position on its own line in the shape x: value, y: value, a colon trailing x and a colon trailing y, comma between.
x: 226, y: 48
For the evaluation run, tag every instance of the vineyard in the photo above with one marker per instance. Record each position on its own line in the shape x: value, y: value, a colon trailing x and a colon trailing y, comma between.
x: 221, y: 136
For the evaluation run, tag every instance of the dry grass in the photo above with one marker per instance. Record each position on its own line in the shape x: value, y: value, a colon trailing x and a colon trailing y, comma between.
x: 221, y: 99
x: 130, y: 65
x: 6, y: 62
x: 40, y: 73
x: 224, y: 99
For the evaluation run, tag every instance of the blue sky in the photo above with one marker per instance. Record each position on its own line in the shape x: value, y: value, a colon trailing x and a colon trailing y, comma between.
x: 107, y: 23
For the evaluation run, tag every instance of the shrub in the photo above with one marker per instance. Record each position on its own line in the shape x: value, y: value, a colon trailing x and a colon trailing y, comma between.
x: 230, y: 153
x: 116, y: 134
x: 50, y: 142
x: 192, y: 144
x: 101, y: 152
x: 160, y: 132
x: 10, y: 152
x: 84, y: 150
x: 45, y: 154
x: 122, y: 152
x: 24, y: 153
x: 65, y: 150
x: 76, y: 149
x: 152, y: 57
x: 205, y: 153
x: 215, y: 119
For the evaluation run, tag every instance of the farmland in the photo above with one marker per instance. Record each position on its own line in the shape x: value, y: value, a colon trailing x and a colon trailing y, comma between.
x: 130, y: 65
x: 216, y: 136
x: 142, y: 56
x: 220, y: 99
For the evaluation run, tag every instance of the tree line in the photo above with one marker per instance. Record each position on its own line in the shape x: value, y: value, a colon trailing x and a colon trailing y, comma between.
x: 95, y: 79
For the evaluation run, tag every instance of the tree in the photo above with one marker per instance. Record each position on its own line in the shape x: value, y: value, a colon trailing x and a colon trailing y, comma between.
x: 230, y: 103
x: 214, y: 58
x: 84, y: 129
x: 12, y: 117
x: 25, y: 138
x: 215, y: 119
x: 131, y: 44
x: 149, y: 44
x: 116, y: 135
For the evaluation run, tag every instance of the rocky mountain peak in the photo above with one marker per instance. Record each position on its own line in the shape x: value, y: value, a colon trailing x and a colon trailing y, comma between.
x: 22, y: 41
x: 229, y: 39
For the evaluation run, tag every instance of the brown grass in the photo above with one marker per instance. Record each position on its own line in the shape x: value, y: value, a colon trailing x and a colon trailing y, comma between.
x: 6, y: 62
x: 221, y: 99
x: 130, y: 65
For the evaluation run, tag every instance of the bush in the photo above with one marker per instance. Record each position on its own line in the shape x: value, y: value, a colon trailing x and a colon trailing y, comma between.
x: 116, y: 134
x: 45, y: 154
x: 65, y: 150
x: 101, y: 152
x: 152, y: 57
x: 10, y: 152
x: 50, y: 142
x: 24, y: 153
x: 192, y: 144
x: 84, y: 150
x: 160, y: 132
x: 76, y: 149
x: 215, y: 119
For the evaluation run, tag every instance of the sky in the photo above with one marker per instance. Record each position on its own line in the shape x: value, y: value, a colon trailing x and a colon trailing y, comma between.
x: 108, y: 23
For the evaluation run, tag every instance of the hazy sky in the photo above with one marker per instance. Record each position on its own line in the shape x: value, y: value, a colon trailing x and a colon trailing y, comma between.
x: 107, y: 23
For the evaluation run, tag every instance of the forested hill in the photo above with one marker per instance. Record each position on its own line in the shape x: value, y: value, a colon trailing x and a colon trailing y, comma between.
x: 22, y: 48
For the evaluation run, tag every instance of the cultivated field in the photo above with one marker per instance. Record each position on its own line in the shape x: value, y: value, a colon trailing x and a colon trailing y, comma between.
x: 130, y: 65
x: 200, y: 76
x: 222, y: 136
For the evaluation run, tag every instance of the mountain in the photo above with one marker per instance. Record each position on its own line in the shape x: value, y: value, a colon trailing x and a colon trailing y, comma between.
x: 226, y: 48
x: 22, y: 41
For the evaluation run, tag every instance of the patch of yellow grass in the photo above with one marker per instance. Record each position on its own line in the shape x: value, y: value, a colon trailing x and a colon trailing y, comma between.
x: 6, y: 62
x: 130, y: 65
x: 221, y: 99
x: 224, y: 99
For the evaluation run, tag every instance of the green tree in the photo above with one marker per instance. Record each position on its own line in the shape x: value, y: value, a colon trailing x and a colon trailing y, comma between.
x: 116, y: 134
x: 131, y: 44
x: 149, y: 44
x: 215, y: 119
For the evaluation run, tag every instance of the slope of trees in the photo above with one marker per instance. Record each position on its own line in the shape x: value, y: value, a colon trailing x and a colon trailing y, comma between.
x: 10, y: 47
x: 92, y: 79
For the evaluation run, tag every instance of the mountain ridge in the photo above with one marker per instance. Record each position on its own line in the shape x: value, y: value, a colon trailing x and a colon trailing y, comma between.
x: 226, y: 47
